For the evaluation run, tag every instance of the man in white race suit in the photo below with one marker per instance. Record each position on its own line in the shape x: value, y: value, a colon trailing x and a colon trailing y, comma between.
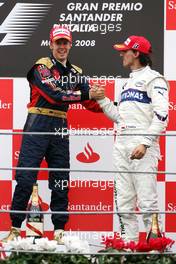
x: 142, y: 109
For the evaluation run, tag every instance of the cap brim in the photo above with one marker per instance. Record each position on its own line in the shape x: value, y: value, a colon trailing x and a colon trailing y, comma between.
x: 61, y: 37
x: 120, y: 47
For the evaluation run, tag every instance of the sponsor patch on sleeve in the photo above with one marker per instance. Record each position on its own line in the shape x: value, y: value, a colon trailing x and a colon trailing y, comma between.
x: 44, y: 71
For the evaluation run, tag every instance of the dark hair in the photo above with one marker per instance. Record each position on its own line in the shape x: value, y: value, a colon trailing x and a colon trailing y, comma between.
x: 145, y: 59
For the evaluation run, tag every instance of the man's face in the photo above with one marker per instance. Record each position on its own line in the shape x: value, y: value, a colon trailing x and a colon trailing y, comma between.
x: 60, y: 49
x: 129, y: 57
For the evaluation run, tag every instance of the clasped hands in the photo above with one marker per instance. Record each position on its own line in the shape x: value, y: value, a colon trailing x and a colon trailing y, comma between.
x: 97, y: 92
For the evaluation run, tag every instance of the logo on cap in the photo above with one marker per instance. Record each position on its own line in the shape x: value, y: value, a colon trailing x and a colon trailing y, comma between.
x: 59, y: 31
x: 127, y: 42
x: 135, y: 42
x: 135, y: 46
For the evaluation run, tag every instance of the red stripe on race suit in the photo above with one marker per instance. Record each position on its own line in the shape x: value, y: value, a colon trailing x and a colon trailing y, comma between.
x: 49, y: 99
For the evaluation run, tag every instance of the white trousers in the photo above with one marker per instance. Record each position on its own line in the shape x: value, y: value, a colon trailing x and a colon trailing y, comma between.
x: 132, y: 189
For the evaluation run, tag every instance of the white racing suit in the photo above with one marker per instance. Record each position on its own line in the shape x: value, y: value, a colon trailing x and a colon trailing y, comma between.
x: 142, y: 109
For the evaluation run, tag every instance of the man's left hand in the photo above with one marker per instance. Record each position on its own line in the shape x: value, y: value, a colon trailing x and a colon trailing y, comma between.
x: 138, y: 152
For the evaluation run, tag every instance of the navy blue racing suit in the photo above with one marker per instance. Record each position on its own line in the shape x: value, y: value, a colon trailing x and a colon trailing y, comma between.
x: 53, y: 87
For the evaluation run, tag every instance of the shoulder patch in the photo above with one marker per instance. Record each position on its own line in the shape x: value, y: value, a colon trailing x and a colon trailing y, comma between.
x: 45, y: 61
x: 43, y: 71
x: 77, y: 68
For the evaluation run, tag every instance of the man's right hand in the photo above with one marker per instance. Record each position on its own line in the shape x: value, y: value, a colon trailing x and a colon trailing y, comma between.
x: 138, y: 152
x: 97, y: 92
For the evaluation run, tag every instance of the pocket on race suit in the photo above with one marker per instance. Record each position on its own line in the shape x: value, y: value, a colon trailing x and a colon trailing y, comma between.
x: 155, y: 148
x: 149, y: 162
x: 29, y: 122
x: 135, y: 141
x: 36, y: 122
x: 154, y: 152
x: 131, y: 144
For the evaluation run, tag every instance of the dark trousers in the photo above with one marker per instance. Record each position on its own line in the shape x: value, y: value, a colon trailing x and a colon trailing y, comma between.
x: 55, y: 149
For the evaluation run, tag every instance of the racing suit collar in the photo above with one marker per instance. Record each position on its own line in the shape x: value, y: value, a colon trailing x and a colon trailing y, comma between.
x: 63, y: 69
x: 138, y: 72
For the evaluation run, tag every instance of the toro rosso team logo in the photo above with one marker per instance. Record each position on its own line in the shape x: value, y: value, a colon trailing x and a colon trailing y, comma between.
x: 21, y: 22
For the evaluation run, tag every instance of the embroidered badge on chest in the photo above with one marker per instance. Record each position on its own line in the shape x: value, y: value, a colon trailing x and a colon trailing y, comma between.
x: 56, y: 74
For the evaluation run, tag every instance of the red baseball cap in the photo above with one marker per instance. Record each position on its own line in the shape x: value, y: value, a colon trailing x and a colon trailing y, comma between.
x: 136, y: 43
x: 59, y: 31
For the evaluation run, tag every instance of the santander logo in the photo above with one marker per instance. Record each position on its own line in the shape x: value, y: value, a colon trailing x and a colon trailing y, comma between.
x: 88, y: 155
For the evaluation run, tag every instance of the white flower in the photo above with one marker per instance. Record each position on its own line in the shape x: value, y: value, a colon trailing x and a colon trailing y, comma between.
x: 45, y: 244
x: 22, y: 243
x: 27, y: 244
x: 74, y: 244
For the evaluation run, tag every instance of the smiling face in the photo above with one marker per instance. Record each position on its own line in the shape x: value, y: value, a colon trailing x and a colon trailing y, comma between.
x: 60, y: 49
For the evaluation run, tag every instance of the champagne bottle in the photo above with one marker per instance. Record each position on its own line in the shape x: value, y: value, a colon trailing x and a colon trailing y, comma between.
x: 34, y: 223
x: 154, y: 231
